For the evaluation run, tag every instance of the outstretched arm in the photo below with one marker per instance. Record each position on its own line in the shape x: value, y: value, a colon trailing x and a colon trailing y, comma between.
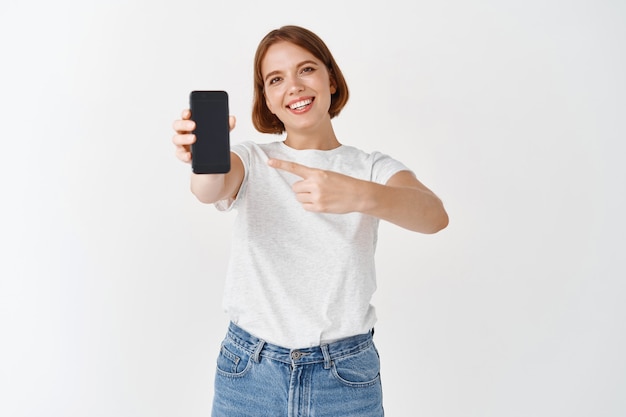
x: 403, y: 200
x: 208, y: 188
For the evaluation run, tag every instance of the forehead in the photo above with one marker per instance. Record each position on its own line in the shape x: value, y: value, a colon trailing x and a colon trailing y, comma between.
x: 284, y: 55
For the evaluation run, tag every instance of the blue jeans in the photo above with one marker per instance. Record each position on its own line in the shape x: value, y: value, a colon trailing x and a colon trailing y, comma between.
x: 258, y: 379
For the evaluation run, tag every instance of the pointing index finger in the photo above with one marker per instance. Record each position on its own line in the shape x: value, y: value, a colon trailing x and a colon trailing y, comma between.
x: 293, y: 167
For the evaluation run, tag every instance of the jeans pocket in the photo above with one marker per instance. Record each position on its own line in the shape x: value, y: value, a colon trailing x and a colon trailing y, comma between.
x: 233, y: 360
x: 361, y: 369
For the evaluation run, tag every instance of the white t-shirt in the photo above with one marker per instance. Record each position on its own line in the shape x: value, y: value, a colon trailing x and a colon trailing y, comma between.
x: 297, y: 278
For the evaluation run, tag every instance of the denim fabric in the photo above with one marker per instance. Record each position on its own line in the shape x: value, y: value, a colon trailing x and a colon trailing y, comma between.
x: 258, y: 379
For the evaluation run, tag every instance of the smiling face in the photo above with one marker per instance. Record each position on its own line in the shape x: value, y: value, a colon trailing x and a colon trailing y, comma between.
x: 297, y: 87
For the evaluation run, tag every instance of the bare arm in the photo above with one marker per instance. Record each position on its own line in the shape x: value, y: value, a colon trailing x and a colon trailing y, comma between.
x: 403, y: 200
x: 208, y: 188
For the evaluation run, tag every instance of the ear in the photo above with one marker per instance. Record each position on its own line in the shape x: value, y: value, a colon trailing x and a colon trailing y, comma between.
x: 333, y: 83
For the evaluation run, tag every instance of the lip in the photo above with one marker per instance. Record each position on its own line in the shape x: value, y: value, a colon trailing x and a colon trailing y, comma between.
x: 304, y: 109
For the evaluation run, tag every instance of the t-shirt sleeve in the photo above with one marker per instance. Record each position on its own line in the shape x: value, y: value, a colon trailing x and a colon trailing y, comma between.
x: 243, y: 151
x: 384, y: 167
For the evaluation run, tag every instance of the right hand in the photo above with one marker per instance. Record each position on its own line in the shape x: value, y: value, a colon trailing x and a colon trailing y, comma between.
x: 184, y: 138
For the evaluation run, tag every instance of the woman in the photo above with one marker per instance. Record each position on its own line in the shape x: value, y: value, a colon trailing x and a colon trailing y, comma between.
x: 301, y: 274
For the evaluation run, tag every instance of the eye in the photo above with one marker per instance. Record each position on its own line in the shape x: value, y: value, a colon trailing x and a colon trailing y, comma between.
x: 274, y: 80
x: 307, y: 70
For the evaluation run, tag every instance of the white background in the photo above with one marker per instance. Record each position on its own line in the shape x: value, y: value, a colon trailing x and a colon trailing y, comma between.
x: 513, y: 112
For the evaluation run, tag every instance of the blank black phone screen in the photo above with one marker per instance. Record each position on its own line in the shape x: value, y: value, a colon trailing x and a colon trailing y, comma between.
x: 211, y: 152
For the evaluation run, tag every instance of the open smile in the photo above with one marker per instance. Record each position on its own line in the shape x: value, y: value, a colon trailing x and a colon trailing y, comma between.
x: 301, y: 105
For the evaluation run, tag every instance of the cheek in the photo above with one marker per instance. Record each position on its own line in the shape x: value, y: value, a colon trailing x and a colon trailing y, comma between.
x: 270, y: 102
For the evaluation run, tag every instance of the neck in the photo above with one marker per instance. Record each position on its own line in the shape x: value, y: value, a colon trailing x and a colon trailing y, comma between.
x: 321, y: 139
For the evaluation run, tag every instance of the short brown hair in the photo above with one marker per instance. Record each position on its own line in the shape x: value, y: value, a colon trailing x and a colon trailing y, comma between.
x: 263, y: 119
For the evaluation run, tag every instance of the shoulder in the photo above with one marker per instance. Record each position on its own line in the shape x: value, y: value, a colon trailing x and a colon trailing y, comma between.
x: 372, y: 158
x: 249, y: 150
x: 381, y: 166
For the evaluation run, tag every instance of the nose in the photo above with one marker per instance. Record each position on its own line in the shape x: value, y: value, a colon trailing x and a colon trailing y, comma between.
x: 295, y: 85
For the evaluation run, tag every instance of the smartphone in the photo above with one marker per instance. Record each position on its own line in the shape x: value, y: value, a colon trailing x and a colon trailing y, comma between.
x: 210, y: 154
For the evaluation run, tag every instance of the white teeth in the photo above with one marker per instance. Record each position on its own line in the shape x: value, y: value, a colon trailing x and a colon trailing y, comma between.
x: 300, y: 104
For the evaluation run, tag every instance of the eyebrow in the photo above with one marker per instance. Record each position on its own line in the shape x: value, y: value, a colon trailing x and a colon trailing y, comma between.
x: 275, y: 72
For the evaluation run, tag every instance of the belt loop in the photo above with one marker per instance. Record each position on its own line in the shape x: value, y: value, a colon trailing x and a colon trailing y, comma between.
x: 327, y: 361
x: 256, y: 356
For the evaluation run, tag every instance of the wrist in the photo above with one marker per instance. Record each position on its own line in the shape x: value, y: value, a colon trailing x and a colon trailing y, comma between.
x: 365, y: 196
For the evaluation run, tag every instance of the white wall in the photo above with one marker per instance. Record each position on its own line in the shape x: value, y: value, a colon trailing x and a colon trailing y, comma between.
x: 512, y: 111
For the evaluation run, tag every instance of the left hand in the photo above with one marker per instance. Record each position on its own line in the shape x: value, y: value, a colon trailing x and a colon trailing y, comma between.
x: 321, y: 191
